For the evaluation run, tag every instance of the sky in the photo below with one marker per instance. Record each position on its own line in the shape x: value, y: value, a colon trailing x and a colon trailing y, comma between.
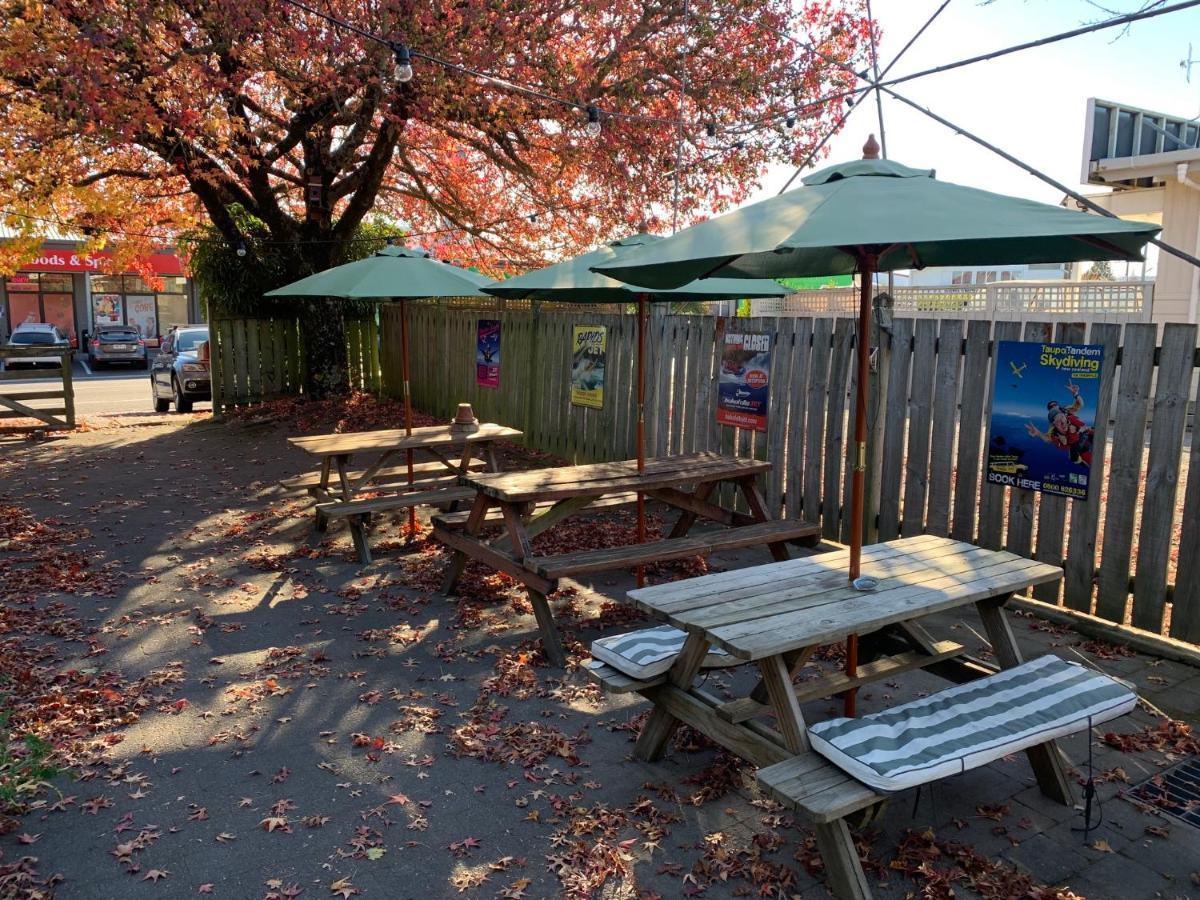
x: 1030, y: 103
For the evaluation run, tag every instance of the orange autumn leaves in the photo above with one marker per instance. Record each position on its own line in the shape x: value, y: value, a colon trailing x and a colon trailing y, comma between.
x: 139, y: 119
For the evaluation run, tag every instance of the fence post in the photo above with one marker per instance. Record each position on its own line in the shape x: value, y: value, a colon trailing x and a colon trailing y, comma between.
x: 215, y: 371
x: 68, y: 387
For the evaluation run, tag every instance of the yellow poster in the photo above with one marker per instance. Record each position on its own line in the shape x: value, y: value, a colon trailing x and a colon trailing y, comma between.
x: 589, y: 350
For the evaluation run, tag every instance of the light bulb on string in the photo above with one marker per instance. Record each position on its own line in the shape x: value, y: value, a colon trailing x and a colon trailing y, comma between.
x: 710, y: 128
x: 240, y: 250
x: 790, y: 121
x: 593, y: 121
x: 403, y: 72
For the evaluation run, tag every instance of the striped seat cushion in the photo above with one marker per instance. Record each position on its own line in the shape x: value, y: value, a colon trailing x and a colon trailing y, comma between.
x: 651, y: 651
x: 971, y: 724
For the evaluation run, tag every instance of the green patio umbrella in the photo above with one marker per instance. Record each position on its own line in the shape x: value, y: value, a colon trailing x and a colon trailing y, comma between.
x: 577, y: 281
x: 869, y: 216
x: 393, y: 273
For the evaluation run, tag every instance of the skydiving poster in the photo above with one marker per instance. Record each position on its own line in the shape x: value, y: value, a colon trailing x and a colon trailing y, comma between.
x: 744, y: 383
x: 589, y: 345
x: 487, y: 353
x: 1044, y: 416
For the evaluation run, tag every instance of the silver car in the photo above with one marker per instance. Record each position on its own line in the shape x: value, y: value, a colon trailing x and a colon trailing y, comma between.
x: 37, y: 334
x: 117, y: 344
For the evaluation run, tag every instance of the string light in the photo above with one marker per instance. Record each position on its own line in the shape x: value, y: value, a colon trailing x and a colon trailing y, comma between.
x: 403, y: 72
x: 241, y: 248
x: 593, y: 121
x: 790, y: 121
x: 710, y: 128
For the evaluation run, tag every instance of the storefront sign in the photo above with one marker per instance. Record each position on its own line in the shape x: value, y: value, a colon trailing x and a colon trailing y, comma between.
x: 1043, y: 416
x: 487, y: 353
x: 51, y: 260
x: 744, y: 386
x: 590, y: 352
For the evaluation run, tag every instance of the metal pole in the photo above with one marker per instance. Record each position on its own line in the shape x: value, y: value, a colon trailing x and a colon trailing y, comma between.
x: 408, y: 415
x: 641, y: 427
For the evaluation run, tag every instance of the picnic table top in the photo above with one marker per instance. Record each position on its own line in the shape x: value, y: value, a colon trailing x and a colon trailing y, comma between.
x: 599, y: 479
x: 766, y: 610
x: 398, y: 439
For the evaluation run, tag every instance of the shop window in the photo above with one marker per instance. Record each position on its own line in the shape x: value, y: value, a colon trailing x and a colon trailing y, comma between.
x: 172, y: 310
x: 42, y: 297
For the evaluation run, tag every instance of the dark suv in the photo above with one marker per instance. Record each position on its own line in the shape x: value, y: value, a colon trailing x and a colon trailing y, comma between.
x: 179, y: 375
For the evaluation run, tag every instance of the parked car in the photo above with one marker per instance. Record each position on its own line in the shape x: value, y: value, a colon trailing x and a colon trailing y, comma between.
x: 117, y: 344
x: 37, y: 334
x: 179, y: 375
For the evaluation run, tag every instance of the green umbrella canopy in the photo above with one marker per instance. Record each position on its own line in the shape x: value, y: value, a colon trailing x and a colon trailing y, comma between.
x: 391, y: 273
x: 905, y: 214
x: 575, y: 281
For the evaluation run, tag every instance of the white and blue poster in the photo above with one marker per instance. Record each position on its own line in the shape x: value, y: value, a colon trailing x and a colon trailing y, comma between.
x: 1044, y: 416
x: 743, y: 387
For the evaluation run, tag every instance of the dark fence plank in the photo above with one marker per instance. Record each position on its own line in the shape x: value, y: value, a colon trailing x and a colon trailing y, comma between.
x: 970, y: 430
x: 891, y: 477
x: 991, y: 496
x: 1128, y: 451
x: 920, y: 401
x: 944, y: 414
x: 1079, y: 569
x: 1162, y: 475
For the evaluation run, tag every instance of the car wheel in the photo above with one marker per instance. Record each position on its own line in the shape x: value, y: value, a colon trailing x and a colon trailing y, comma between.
x: 182, y: 403
x: 160, y: 405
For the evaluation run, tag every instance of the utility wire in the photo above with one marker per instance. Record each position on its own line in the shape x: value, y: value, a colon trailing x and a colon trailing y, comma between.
x: 1057, y: 185
x: 1054, y: 38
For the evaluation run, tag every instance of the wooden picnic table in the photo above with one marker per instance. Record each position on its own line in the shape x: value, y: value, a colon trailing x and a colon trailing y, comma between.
x: 530, y: 502
x: 451, y: 453
x: 776, y: 615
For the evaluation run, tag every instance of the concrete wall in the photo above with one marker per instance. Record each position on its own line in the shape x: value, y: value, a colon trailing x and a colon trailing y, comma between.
x: 1176, y: 283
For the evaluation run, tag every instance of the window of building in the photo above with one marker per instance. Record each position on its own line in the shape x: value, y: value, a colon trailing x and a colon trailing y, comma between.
x: 131, y: 300
x: 42, y: 297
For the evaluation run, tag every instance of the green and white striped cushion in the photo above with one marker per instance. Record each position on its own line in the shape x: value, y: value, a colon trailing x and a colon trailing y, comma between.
x: 971, y: 724
x: 651, y: 651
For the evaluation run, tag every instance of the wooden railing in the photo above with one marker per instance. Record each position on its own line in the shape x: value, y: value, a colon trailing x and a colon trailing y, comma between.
x: 1076, y: 301
x: 23, y: 404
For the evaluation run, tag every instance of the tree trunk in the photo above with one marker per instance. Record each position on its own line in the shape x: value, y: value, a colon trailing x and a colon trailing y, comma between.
x: 324, y: 327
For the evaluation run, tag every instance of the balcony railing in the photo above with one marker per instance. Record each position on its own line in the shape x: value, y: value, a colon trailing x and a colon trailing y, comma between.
x: 1098, y: 301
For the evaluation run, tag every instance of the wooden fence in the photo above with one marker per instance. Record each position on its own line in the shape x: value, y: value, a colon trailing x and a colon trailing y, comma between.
x: 23, y: 404
x: 257, y: 359
x: 933, y: 385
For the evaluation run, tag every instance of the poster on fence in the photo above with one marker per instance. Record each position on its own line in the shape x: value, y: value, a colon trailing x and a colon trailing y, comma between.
x: 744, y: 383
x: 1043, y: 416
x: 487, y: 353
x: 589, y: 345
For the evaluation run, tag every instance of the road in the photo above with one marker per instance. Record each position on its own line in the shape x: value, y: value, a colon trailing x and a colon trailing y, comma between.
x: 112, y: 392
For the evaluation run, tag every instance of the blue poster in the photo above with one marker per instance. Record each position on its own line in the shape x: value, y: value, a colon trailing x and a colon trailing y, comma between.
x: 1044, y: 416
x: 487, y: 353
x: 743, y: 387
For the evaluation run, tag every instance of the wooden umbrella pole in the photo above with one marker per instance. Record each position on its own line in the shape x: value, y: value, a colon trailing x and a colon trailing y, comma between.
x: 408, y: 416
x: 866, y: 269
x: 641, y: 427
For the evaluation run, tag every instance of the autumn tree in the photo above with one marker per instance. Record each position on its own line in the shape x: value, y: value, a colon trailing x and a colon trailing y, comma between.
x: 137, y: 119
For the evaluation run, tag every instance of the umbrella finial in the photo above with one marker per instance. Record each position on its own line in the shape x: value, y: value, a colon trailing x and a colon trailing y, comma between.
x: 871, y: 148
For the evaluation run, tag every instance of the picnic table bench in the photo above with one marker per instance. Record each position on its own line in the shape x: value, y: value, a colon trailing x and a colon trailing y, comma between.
x: 530, y: 502
x: 777, y: 615
x: 434, y: 481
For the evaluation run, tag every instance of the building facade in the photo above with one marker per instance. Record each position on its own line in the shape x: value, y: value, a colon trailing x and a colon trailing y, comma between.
x: 75, y: 292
